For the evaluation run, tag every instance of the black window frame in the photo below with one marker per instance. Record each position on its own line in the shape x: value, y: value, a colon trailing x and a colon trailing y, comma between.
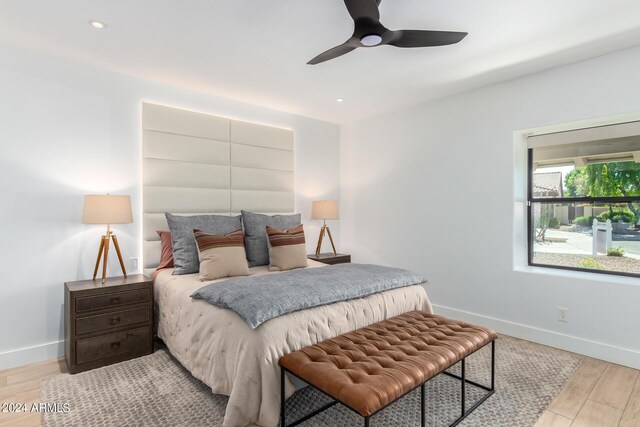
x: 547, y: 200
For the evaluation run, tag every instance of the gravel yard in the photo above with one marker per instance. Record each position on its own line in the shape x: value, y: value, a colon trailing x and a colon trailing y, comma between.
x: 622, y: 264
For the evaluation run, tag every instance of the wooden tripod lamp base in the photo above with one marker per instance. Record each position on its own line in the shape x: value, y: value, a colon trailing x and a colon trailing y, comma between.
x: 322, y: 231
x: 103, y: 253
x: 107, y: 209
x: 324, y: 210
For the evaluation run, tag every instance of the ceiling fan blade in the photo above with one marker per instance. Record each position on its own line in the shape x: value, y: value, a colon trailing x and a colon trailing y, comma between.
x: 332, y: 53
x: 425, y: 38
x: 359, y: 9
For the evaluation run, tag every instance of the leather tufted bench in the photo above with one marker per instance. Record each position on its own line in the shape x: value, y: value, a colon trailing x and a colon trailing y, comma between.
x: 372, y: 367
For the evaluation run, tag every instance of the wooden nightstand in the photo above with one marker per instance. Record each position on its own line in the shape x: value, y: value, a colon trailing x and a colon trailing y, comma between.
x: 108, y: 323
x: 330, y: 258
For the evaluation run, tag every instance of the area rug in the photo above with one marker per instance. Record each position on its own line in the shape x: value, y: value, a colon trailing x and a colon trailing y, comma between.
x: 156, y: 390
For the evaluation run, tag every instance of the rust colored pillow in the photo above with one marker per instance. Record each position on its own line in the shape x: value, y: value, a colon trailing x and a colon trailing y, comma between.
x: 166, y: 256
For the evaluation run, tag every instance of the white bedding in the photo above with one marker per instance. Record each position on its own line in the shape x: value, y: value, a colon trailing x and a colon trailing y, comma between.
x: 221, y: 350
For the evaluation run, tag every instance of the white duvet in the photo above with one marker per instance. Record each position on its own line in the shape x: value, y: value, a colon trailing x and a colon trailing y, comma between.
x: 221, y: 350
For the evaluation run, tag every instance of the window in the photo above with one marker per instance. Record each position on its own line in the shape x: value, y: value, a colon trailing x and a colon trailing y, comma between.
x: 584, y: 199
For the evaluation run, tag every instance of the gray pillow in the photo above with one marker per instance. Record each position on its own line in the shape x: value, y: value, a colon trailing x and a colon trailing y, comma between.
x: 255, y: 234
x: 185, y: 252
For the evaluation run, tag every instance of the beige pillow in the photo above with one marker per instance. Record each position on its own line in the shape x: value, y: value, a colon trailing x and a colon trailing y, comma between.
x: 287, y: 249
x: 221, y: 256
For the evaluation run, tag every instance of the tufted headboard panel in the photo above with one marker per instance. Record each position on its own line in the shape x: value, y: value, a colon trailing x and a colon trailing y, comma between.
x: 195, y: 163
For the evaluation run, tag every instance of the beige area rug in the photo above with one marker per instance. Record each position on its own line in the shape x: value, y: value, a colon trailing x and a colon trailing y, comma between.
x: 156, y: 390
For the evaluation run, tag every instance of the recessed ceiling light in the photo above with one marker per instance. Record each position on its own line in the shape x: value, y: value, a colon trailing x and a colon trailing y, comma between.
x: 97, y: 24
x: 339, y: 100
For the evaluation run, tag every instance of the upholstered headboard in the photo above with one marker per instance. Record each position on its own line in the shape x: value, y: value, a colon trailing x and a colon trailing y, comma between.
x: 195, y: 163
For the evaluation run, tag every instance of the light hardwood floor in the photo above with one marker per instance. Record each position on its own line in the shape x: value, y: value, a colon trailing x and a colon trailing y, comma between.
x: 22, y: 385
x: 599, y: 394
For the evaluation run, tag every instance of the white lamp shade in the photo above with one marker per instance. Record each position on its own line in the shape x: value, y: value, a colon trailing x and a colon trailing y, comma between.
x: 107, y: 209
x: 325, y: 209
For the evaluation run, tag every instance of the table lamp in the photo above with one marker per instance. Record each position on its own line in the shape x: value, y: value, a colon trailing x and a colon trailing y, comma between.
x: 324, y: 210
x: 107, y: 209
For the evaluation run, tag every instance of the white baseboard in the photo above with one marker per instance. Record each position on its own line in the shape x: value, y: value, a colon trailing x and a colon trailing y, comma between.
x: 598, y: 350
x: 25, y: 356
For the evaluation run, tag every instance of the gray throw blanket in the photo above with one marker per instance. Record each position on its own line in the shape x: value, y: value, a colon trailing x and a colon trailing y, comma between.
x: 260, y: 298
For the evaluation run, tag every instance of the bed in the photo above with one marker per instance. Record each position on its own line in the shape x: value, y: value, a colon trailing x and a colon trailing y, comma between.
x: 222, y: 351
x: 195, y: 163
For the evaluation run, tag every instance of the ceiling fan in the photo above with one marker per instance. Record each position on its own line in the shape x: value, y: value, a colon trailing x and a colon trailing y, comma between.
x: 369, y: 32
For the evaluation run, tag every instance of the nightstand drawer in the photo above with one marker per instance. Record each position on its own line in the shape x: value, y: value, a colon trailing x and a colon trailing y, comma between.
x: 106, y: 321
x: 91, y: 349
x: 118, y: 299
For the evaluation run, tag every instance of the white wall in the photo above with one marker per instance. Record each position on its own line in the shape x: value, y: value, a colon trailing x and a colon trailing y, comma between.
x: 69, y: 130
x: 431, y: 189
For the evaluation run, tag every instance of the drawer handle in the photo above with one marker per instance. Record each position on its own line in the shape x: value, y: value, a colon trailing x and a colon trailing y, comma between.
x: 115, y: 345
x: 115, y: 300
x: 115, y: 320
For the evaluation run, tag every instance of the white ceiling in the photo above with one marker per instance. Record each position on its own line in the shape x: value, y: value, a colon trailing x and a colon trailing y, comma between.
x: 256, y: 50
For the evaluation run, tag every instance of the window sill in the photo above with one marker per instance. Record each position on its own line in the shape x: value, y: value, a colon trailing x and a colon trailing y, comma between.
x: 582, y: 275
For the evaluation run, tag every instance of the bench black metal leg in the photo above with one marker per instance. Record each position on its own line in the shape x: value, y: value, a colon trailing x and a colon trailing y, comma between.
x: 422, y: 409
x: 282, y: 419
x: 493, y: 365
x: 282, y: 405
x: 366, y: 421
x: 463, y: 382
